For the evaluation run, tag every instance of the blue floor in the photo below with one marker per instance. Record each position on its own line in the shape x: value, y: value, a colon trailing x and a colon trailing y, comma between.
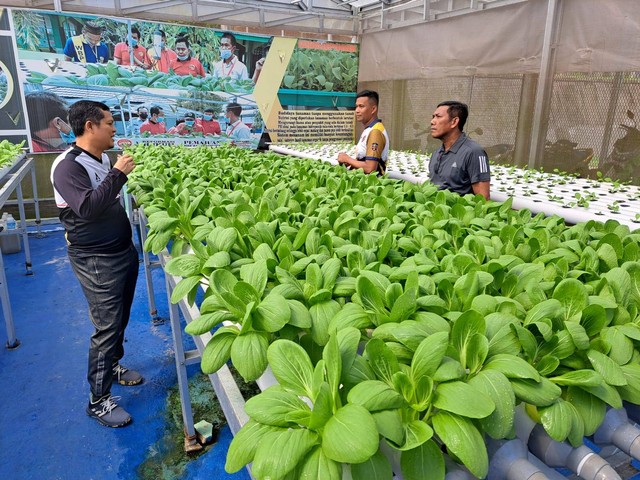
x: 44, y: 430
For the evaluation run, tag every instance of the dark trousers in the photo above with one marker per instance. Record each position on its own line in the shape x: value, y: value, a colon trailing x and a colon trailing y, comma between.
x: 108, y: 282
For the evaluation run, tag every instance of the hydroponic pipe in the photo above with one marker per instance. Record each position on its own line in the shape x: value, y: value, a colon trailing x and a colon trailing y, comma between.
x: 296, y: 153
x: 510, y: 461
x: 616, y: 430
x: 581, y: 460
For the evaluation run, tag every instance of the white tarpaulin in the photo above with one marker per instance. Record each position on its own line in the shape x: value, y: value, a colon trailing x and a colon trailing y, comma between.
x: 594, y: 35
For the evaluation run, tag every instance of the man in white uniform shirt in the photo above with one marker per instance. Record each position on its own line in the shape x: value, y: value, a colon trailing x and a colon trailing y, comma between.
x: 230, y: 66
x: 236, y: 129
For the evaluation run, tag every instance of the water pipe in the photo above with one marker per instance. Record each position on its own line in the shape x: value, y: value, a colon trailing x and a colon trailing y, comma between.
x: 616, y: 430
x: 510, y: 461
x: 581, y: 460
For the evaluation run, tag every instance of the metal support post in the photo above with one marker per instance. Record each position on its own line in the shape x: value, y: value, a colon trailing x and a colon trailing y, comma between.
x: 190, y: 442
x: 23, y: 229
x: 142, y: 224
x: 36, y: 203
x: 12, y: 341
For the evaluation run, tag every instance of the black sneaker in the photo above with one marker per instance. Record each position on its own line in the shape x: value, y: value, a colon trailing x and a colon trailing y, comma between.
x: 108, y: 413
x: 124, y: 376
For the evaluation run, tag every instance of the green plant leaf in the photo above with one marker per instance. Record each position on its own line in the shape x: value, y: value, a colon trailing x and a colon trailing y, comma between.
x: 631, y: 391
x: 540, y: 393
x: 590, y: 408
x: 249, y: 355
x: 273, y: 405
x: 512, y: 367
x: 184, y: 287
x: 389, y: 424
x: 183, y: 266
x: 606, y: 393
x: 464, y: 440
x: 422, y: 462
x: 316, y: 465
x: 218, y: 260
x: 372, y: 299
x: 217, y: 351
x: 279, y: 452
x: 375, y: 395
x: 255, y: 274
x: 323, y: 406
x: 244, y: 445
x: 321, y: 315
x: 550, y: 308
x: 272, y: 313
x: 416, y: 433
x: 607, y: 368
x: 300, y: 316
x: 333, y: 366
x: 204, y: 323
x: 620, y: 346
x: 494, y: 384
x: 557, y: 419
x: 464, y: 329
x: 376, y: 468
x: 291, y: 366
x: 573, y: 296
x: 383, y: 362
x: 350, y: 436
x: 463, y: 399
x: 429, y: 355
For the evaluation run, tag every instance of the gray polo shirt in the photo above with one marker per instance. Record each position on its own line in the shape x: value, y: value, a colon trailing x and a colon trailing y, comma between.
x: 465, y: 163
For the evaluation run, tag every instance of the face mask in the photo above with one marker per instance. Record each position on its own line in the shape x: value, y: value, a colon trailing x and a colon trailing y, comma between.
x: 134, y: 43
x: 89, y: 42
x: 183, y: 57
x: 143, y: 116
x: 67, y: 137
x: 225, y: 54
x: 160, y: 119
x: 189, y: 123
x: 207, y: 117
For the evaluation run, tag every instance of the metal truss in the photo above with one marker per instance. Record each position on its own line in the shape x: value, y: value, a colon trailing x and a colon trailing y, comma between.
x: 346, y: 17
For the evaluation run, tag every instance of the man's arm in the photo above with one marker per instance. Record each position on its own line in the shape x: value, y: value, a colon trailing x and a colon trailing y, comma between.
x: 71, y: 180
x: 481, y: 188
x: 368, y: 166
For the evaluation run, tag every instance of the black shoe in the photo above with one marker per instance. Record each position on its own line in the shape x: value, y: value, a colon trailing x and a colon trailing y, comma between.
x: 108, y: 413
x: 127, y: 377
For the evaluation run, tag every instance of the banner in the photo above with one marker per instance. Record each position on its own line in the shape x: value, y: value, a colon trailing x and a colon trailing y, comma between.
x: 167, y: 83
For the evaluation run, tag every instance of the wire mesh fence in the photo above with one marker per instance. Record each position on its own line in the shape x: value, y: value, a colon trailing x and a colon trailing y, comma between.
x: 583, y: 117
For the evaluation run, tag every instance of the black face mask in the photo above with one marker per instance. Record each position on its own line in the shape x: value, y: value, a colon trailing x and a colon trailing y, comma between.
x: 143, y: 116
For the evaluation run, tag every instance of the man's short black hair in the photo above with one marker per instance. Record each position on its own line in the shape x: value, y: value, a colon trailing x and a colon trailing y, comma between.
x: 163, y: 34
x: 135, y: 30
x: 154, y: 110
x: 43, y: 107
x: 182, y: 39
x: 456, y: 109
x: 85, y: 111
x: 373, y: 96
x: 93, y: 28
x: 231, y: 37
x: 208, y: 109
x: 234, y: 108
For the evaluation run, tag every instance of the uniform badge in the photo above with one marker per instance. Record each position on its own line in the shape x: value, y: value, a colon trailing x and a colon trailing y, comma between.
x: 374, y: 147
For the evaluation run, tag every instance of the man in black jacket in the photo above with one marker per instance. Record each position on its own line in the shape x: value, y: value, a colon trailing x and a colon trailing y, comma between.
x: 102, y: 255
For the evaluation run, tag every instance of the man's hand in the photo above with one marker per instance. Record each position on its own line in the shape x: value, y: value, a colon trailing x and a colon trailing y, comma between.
x: 344, y: 159
x: 125, y: 163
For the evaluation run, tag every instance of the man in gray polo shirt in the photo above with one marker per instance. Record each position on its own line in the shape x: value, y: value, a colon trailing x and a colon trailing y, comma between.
x: 460, y: 164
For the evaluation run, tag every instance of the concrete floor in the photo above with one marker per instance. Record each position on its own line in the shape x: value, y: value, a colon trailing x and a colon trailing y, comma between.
x: 44, y: 430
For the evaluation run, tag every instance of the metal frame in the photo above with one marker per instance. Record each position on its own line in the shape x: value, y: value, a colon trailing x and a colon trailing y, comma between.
x: 346, y: 17
x: 224, y: 385
x: 21, y: 168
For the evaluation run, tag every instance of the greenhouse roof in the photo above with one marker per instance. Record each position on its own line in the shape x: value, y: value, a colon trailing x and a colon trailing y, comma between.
x: 347, y: 17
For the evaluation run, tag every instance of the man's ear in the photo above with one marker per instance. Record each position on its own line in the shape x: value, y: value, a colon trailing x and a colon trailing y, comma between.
x: 455, y: 121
